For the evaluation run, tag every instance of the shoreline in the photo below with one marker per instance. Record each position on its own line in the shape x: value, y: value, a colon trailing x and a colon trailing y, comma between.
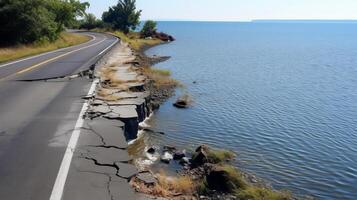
x: 257, y: 185
x: 130, y: 90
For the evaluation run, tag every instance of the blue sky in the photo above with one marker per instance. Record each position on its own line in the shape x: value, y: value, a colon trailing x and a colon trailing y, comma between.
x: 237, y: 10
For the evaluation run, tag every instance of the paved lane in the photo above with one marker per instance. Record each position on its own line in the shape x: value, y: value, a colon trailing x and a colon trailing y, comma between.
x: 38, y: 117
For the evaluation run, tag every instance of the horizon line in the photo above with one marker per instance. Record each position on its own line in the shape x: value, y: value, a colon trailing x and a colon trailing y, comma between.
x: 256, y: 20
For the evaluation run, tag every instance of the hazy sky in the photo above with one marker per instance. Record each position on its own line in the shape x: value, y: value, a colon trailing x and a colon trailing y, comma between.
x: 237, y: 10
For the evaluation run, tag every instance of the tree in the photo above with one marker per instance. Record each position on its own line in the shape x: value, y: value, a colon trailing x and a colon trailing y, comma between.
x: 123, y: 16
x: 149, y: 28
x: 27, y: 21
x: 91, y: 22
x: 66, y: 11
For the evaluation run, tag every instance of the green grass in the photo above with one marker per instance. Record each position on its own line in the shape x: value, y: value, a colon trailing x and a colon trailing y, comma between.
x: 162, y: 72
x: 20, y: 51
x: 219, y: 156
x: 242, y: 189
x: 134, y: 40
x: 258, y: 193
x: 161, y: 77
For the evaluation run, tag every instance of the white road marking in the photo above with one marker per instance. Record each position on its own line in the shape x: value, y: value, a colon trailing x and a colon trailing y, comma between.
x: 43, y: 54
x: 58, y: 187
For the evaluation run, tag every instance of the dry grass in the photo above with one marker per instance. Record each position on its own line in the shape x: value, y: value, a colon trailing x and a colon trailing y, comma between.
x: 160, y: 77
x: 168, y: 186
x: 20, y: 51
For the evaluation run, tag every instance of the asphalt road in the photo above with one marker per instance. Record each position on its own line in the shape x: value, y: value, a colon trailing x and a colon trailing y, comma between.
x: 38, y: 117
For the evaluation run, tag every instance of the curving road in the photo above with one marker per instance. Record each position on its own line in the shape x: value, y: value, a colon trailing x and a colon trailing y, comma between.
x: 38, y: 117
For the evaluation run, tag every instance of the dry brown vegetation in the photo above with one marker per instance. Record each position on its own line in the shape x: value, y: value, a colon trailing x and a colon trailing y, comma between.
x: 160, y: 77
x: 65, y: 40
x: 168, y: 186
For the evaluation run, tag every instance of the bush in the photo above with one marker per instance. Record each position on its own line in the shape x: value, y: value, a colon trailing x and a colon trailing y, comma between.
x: 148, y: 29
x: 27, y: 21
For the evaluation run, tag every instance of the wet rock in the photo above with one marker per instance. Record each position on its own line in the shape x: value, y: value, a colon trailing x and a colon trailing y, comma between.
x: 170, y: 149
x: 164, y: 36
x: 179, y: 155
x: 184, y: 161
x: 182, y: 102
x: 200, y: 157
x: 166, y: 158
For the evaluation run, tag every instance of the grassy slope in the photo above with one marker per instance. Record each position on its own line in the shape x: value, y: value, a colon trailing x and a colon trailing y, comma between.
x: 65, y: 40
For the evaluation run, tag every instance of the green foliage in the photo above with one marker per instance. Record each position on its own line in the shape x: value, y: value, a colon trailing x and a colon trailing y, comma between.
x: 27, y: 21
x: 123, y: 16
x: 235, y: 176
x: 162, y: 72
x: 149, y: 28
x: 219, y: 156
x: 91, y: 22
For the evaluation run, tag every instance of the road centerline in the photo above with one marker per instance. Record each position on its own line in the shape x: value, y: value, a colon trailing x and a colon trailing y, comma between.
x: 50, y: 60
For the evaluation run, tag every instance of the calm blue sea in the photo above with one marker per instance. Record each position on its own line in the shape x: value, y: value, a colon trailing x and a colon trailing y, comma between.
x: 281, y: 95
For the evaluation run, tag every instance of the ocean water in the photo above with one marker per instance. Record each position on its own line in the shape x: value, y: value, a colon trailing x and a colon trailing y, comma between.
x: 283, y: 96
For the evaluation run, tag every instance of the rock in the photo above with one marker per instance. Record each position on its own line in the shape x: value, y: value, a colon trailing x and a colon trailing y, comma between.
x: 151, y: 150
x: 219, y: 179
x: 184, y: 161
x: 200, y: 157
x: 179, y: 155
x: 166, y: 158
x: 182, y: 102
x: 163, y: 36
x: 170, y: 149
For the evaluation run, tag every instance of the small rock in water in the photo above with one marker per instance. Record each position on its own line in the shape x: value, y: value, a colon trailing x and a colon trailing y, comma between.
x: 184, y: 161
x: 182, y: 102
x: 170, y: 149
x: 178, y: 155
x: 166, y: 158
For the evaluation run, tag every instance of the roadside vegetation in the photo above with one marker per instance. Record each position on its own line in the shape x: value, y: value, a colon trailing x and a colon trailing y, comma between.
x: 30, y: 27
x: 29, y: 21
x: 135, y: 41
x: 24, y: 50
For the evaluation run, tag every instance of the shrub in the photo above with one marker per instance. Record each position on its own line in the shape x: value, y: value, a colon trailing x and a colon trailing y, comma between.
x: 27, y: 21
x: 148, y: 29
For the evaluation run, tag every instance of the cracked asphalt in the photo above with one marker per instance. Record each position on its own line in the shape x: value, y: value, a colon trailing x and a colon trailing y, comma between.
x: 36, y: 122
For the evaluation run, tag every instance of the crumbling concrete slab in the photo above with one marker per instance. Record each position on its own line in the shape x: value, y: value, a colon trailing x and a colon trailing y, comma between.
x: 126, y: 170
x: 125, y: 112
x: 106, y: 155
